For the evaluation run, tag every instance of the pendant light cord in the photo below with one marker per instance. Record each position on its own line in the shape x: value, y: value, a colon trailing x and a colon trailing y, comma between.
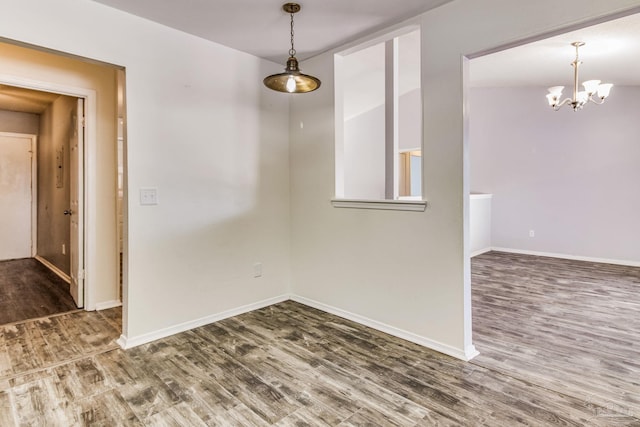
x: 292, y: 51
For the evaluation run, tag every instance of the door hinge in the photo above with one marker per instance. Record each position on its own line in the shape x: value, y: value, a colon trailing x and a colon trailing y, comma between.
x: 81, y: 275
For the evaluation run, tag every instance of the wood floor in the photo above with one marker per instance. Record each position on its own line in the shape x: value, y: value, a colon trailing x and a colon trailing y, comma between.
x: 569, y: 326
x: 291, y: 365
x: 28, y: 290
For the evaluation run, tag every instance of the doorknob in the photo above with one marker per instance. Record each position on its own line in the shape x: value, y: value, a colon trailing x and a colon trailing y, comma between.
x: 68, y: 212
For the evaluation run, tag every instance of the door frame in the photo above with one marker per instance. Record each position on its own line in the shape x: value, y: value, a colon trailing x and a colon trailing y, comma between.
x: 88, y: 182
x: 34, y: 184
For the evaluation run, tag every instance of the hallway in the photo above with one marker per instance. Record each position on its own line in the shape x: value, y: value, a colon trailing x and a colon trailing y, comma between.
x: 29, y: 290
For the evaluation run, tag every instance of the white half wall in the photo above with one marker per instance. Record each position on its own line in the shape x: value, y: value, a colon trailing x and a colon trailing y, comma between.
x: 570, y: 177
x: 408, y: 270
x: 211, y: 139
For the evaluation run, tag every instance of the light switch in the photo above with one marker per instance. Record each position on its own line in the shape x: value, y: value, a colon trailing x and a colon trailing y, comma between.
x: 148, y: 196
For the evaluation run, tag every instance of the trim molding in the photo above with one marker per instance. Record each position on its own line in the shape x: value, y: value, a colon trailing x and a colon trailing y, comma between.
x: 481, y: 251
x: 467, y: 354
x: 567, y: 256
x: 108, y: 304
x: 127, y: 343
x: 64, y: 276
x: 389, y: 205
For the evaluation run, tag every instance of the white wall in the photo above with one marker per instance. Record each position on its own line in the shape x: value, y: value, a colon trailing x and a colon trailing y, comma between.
x: 408, y: 270
x: 364, y: 146
x: 572, y: 177
x: 364, y: 155
x: 210, y: 138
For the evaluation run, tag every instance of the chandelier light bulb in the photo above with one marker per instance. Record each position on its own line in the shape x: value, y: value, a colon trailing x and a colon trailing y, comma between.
x: 582, y: 97
x: 604, y: 89
x: 556, y: 91
x: 591, y: 86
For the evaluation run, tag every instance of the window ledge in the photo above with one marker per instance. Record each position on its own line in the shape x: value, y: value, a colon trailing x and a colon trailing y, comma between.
x: 394, y: 205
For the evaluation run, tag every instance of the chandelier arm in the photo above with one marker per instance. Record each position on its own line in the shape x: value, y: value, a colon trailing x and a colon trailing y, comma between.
x: 596, y: 100
x: 562, y: 104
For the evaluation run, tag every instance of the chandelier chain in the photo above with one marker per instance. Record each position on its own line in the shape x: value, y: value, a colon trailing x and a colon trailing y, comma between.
x: 292, y: 51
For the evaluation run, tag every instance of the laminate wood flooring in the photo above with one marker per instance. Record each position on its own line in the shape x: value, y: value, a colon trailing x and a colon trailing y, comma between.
x: 284, y: 365
x: 28, y: 290
x: 572, y: 327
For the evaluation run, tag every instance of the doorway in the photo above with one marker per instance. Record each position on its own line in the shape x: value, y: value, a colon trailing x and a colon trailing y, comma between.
x: 557, y: 284
x: 42, y: 237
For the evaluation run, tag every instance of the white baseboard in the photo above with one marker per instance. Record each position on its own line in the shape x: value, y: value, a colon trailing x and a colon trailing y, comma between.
x: 481, y: 251
x: 130, y: 342
x: 108, y: 304
x: 64, y: 276
x: 466, y: 354
x: 567, y: 256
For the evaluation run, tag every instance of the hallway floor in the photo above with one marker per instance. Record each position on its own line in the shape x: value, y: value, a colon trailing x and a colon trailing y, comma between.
x: 29, y: 290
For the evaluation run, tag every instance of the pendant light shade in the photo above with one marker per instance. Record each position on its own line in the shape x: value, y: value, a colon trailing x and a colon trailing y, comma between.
x: 292, y: 80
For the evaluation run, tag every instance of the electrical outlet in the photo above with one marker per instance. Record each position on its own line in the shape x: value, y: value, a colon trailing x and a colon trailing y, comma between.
x: 532, y: 233
x: 257, y: 269
x: 148, y: 196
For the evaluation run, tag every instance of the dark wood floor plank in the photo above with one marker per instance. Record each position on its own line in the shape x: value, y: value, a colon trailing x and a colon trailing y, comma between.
x: 105, y: 409
x: 29, y: 290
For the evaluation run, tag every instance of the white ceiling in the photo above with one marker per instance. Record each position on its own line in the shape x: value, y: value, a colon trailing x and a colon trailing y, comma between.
x: 611, y: 54
x: 261, y: 27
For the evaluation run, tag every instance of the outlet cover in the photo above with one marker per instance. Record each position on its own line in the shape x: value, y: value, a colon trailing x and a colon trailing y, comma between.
x: 148, y: 196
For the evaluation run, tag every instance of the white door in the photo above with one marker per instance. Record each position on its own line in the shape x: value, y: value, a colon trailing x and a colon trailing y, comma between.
x: 76, y: 204
x: 15, y: 197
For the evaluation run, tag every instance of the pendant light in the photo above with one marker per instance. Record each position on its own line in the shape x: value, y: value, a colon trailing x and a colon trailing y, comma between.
x: 292, y: 80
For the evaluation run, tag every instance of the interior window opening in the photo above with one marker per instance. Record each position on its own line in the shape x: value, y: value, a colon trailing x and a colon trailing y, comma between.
x: 379, y: 149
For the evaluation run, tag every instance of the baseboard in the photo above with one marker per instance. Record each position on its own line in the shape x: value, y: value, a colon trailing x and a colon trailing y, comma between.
x: 108, y: 304
x: 126, y: 342
x: 481, y: 251
x: 567, y: 256
x: 64, y: 276
x: 466, y: 354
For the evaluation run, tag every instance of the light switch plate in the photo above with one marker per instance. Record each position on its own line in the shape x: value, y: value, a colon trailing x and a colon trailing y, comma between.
x: 148, y: 196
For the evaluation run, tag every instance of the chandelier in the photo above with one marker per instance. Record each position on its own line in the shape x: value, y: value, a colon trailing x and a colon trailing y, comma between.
x: 580, y: 98
x: 292, y: 80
